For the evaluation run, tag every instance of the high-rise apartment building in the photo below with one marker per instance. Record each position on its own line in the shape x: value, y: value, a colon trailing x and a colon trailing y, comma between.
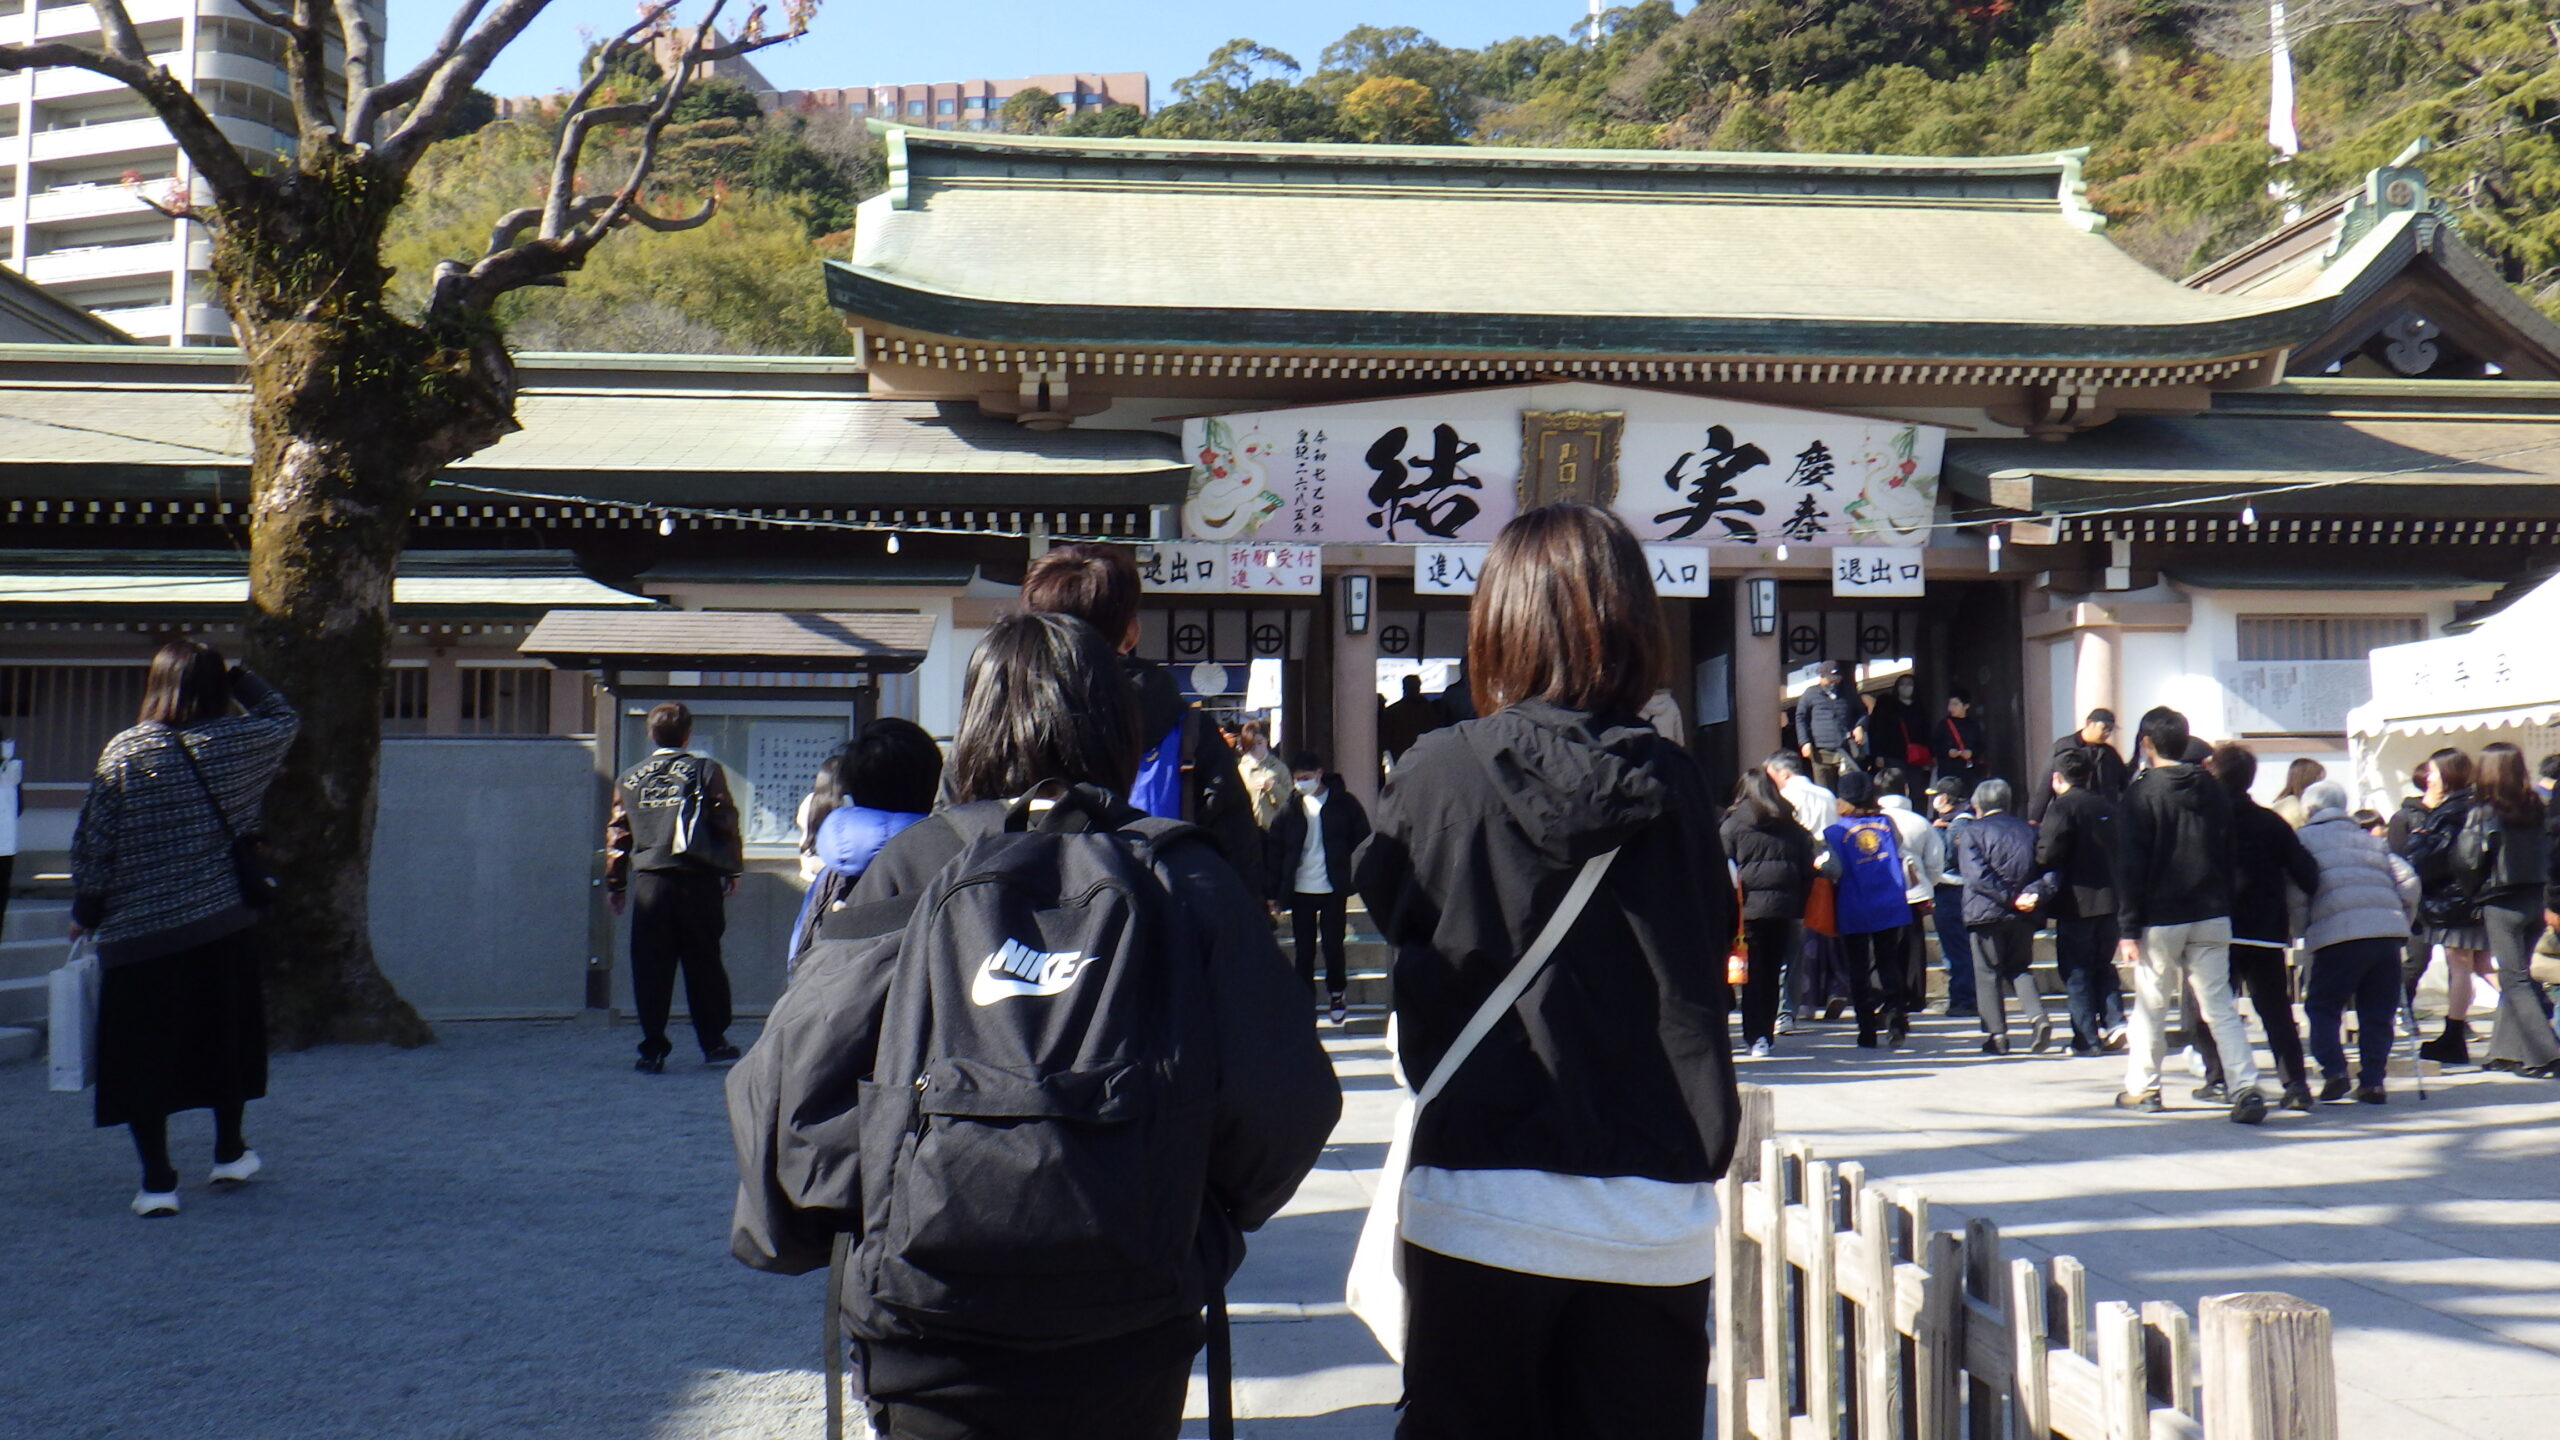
x: 79, y: 154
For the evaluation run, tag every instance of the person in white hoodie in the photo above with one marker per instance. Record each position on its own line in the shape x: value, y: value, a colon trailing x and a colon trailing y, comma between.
x: 1924, y: 849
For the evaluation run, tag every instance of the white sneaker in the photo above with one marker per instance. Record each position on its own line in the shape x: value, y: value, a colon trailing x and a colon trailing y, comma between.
x: 154, y: 1205
x: 237, y: 1172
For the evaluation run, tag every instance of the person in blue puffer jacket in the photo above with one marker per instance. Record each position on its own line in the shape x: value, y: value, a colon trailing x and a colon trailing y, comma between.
x: 890, y: 772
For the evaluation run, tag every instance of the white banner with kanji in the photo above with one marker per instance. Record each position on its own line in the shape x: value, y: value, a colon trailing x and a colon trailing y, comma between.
x: 1446, y: 469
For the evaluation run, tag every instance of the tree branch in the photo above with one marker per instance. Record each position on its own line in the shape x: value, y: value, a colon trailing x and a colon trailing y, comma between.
x: 366, y: 107
x: 306, y: 68
x: 211, y: 151
x: 571, y: 225
x: 453, y: 76
x: 123, y: 41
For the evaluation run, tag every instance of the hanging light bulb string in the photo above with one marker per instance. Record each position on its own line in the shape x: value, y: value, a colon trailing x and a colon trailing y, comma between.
x: 668, y: 515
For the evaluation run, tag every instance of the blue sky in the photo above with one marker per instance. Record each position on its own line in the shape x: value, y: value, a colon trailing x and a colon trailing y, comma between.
x: 868, y: 44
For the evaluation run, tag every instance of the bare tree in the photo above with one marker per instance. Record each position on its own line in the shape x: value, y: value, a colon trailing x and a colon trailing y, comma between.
x: 353, y: 408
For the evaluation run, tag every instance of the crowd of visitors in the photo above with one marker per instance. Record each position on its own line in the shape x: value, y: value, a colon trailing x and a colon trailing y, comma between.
x: 1041, y: 1064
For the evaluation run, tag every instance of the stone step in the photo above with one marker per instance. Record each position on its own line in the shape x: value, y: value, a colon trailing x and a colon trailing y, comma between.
x: 34, y: 918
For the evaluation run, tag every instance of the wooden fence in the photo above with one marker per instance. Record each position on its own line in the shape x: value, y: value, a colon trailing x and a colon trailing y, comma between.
x: 1841, y: 1315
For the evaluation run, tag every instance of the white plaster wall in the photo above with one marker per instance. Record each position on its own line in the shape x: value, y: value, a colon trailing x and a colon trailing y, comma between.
x: 2062, y: 662
x: 2212, y: 638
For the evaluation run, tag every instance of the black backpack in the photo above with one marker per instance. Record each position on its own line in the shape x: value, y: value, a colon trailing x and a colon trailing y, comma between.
x: 1034, y: 1139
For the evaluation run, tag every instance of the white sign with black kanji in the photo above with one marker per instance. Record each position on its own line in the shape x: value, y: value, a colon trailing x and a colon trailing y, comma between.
x: 1869, y: 573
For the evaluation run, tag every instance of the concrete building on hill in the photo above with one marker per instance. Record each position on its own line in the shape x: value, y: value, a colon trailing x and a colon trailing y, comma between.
x: 79, y: 154
x: 967, y: 104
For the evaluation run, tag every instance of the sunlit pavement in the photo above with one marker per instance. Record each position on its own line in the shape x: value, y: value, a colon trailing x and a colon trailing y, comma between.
x: 511, y: 1234
x: 2431, y: 1229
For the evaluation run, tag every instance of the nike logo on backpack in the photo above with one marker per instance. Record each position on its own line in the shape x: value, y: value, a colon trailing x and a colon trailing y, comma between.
x: 1016, y: 969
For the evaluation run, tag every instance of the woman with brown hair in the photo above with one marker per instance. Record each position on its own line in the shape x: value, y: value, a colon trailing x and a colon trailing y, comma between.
x: 2504, y: 858
x: 2448, y: 915
x: 1557, y: 1225
x: 2299, y: 776
x: 156, y: 882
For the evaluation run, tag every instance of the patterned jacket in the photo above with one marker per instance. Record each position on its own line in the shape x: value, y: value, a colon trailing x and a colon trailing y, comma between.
x: 151, y: 867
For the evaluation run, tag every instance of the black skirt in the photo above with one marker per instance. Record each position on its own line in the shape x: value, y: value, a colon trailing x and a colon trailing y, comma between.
x: 182, y: 1032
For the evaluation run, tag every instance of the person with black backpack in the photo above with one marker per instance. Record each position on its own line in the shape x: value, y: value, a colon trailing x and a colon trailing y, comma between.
x: 672, y: 856
x: 1560, y: 910
x: 1033, y: 1084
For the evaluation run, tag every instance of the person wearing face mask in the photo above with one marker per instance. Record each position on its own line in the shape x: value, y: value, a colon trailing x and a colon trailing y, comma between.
x: 1309, y: 860
x: 1898, y: 729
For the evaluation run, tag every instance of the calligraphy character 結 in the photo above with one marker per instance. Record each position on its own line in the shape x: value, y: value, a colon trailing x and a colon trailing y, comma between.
x: 1430, y: 501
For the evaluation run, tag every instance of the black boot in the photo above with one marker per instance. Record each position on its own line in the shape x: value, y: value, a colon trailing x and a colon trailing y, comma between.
x: 2450, y: 1048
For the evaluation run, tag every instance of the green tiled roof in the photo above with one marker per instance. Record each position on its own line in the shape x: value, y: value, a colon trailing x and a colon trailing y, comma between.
x: 148, y: 435
x: 1024, y: 240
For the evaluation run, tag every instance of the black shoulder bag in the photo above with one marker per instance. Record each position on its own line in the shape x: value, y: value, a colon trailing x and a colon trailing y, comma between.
x: 258, y: 883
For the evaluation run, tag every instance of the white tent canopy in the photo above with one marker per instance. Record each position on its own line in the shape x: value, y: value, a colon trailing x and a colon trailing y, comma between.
x: 2500, y: 681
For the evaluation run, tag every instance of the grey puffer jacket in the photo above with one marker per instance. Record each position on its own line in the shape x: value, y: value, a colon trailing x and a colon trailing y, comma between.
x: 2366, y: 892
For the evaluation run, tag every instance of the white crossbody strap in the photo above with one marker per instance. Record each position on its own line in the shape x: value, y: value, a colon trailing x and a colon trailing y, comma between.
x: 1507, y: 994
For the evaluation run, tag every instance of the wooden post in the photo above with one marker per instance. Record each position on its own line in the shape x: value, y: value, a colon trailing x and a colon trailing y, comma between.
x: 1821, y: 1304
x: 2123, y: 1399
x: 1736, y: 1356
x: 1983, y: 1283
x: 1938, y: 1341
x: 2267, y: 1369
x: 2067, y: 1306
x: 1777, y: 1349
x: 2030, y: 1408
x: 2169, y: 1355
x: 1880, y: 1395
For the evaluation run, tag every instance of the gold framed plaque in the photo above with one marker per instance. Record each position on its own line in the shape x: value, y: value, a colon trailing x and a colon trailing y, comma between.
x: 1569, y: 455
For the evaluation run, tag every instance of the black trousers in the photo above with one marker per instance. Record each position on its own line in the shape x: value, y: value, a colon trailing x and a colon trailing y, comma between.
x: 1314, y: 918
x: 1498, y: 1355
x: 1878, y: 982
x: 2260, y: 969
x: 677, y: 918
x: 1147, y: 1408
x: 1771, y: 944
x: 2084, y: 951
x: 2364, y: 973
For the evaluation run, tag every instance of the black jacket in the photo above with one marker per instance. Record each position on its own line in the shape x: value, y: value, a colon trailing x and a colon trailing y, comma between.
x: 2108, y: 775
x: 2076, y: 850
x: 1996, y: 854
x: 1948, y: 734
x: 2502, y: 863
x: 1345, y: 826
x: 792, y: 1119
x: 1775, y: 856
x: 2445, y: 900
x: 2271, y: 857
x: 1618, y: 1060
x: 1825, y: 716
x: 2173, y: 849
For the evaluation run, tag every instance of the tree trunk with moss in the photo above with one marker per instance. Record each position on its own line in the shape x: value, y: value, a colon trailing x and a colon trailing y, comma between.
x: 352, y: 413
x: 353, y: 409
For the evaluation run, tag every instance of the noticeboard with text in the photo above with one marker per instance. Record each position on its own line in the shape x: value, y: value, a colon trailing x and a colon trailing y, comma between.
x: 1452, y: 469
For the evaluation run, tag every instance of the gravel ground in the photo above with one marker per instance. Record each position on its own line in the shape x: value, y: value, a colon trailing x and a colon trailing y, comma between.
x: 508, y: 1233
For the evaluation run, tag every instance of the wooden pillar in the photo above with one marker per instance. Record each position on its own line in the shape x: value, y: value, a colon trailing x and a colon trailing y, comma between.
x: 444, y: 693
x: 2097, y: 674
x: 570, y: 712
x: 1355, y: 693
x: 1758, y: 677
x: 2268, y: 1373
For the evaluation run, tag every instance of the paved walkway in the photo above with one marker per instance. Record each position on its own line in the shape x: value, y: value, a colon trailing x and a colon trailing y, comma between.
x: 510, y: 1234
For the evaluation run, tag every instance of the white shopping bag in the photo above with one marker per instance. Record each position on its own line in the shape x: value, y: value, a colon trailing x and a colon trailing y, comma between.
x: 72, y: 1023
